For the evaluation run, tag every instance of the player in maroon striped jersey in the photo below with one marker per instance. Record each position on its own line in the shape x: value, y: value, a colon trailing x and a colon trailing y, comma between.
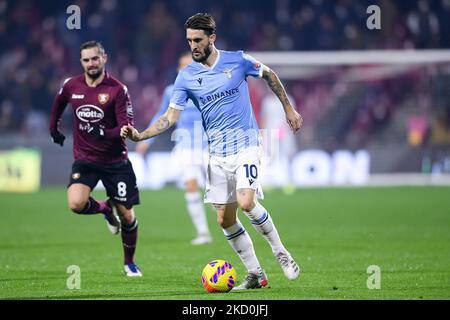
x: 101, y: 106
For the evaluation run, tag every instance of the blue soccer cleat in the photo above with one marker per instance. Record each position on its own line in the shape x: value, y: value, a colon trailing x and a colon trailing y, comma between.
x: 132, y: 270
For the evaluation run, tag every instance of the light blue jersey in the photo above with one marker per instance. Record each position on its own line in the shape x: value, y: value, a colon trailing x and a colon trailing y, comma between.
x: 189, y: 132
x: 222, y: 96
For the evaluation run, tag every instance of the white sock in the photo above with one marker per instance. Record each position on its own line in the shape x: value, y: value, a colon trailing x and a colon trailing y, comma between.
x: 262, y: 222
x: 242, y: 244
x: 196, y: 210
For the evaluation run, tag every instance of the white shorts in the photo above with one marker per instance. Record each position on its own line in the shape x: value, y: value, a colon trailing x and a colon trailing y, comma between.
x: 191, y: 162
x: 225, y: 175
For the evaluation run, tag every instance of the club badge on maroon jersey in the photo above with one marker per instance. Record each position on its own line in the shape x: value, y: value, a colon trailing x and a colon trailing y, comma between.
x: 103, y: 98
x: 76, y: 176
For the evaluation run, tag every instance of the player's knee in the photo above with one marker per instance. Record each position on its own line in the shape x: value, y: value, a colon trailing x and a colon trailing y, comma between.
x: 191, y: 186
x: 77, y: 206
x: 226, y: 222
x: 128, y: 218
x: 247, y: 204
x: 126, y: 215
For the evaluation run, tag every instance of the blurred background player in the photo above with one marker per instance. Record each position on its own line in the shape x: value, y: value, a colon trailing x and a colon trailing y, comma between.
x: 101, y: 105
x: 216, y: 83
x: 278, y: 142
x: 189, y: 153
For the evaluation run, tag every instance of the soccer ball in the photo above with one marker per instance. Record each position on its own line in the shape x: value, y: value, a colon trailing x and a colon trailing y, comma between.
x: 219, y: 276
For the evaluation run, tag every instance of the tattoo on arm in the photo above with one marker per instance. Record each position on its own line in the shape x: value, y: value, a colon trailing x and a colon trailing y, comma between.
x: 277, y: 87
x: 162, y: 124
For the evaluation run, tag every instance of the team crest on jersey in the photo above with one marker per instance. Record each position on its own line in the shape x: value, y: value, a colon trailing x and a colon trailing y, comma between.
x: 76, y: 176
x: 103, y: 98
x: 228, y: 73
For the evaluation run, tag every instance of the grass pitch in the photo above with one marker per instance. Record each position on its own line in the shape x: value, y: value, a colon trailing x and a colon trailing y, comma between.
x: 334, y: 234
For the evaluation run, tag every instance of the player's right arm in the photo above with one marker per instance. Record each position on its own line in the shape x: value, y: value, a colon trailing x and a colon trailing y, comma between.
x: 59, y: 104
x: 167, y: 120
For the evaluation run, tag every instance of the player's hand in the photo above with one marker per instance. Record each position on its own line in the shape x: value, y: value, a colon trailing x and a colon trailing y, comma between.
x: 142, y: 147
x: 294, y: 119
x: 58, y: 138
x: 124, y: 131
x: 95, y: 131
x: 129, y: 132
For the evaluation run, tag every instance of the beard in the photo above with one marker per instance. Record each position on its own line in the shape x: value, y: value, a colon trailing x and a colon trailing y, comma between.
x: 96, y: 74
x: 204, y: 57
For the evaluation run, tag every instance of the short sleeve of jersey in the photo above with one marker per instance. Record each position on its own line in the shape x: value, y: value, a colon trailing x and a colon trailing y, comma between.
x: 252, y: 67
x: 179, y: 94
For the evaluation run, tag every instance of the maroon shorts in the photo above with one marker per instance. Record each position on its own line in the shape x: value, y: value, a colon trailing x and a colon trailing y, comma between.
x: 118, y: 178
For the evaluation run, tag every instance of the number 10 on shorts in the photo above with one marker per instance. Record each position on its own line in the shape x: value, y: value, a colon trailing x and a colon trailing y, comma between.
x: 251, y: 171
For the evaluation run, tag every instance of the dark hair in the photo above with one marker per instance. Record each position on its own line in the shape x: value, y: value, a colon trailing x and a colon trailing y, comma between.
x: 93, y: 44
x: 201, y: 21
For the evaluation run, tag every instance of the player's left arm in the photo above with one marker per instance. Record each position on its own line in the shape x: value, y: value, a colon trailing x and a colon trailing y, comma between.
x: 293, y: 118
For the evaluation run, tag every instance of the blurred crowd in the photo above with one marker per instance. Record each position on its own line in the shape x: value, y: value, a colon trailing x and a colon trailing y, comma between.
x: 144, y: 38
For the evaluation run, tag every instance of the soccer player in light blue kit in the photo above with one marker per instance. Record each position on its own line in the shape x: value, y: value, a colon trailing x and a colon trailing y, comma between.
x: 216, y: 83
x: 189, y: 153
